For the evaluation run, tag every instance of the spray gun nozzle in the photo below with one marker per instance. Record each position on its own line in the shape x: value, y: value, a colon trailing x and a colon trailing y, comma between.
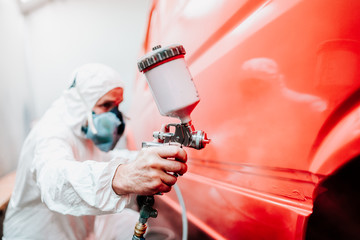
x: 184, y: 134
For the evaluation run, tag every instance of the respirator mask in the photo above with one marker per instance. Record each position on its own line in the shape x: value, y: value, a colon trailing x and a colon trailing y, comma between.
x: 104, y: 129
x: 109, y: 127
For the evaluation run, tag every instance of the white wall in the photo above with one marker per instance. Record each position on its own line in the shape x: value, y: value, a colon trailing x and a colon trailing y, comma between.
x: 40, y: 50
x: 14, y: 110
x: 63, y: 35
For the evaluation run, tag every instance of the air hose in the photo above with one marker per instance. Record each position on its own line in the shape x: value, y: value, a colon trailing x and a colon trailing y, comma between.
x: 183, y: 212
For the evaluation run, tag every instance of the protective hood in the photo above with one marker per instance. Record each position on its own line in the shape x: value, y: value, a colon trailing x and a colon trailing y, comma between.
x: 91, y: 82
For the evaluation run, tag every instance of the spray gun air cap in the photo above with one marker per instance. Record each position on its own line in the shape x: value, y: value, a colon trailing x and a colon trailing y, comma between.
x: 170, y: 81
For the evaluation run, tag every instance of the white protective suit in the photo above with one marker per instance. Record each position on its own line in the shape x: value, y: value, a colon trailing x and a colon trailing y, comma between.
x: 63, y: 180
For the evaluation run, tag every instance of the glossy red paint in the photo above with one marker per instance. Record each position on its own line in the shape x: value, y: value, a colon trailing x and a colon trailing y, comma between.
x: 278, y: 84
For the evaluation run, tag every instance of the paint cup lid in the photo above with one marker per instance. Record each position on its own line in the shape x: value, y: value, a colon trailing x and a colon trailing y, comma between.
x: 159, y: 55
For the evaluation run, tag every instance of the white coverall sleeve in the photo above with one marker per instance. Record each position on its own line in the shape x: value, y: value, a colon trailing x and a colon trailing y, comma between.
x: 124, y: 154
x: 71, y: 187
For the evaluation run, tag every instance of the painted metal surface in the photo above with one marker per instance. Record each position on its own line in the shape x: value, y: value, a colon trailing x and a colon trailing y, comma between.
x: 272, y: 76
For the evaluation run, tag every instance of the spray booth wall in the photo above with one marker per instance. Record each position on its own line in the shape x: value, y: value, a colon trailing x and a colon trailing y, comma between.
x: 40, y: 49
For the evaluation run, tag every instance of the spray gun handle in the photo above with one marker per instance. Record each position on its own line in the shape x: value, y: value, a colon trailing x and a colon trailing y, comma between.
x: 146, y: 211
x: 146, y: 204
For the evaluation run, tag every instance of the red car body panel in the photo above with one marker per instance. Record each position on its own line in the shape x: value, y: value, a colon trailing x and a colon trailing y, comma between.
x: 277, y: 81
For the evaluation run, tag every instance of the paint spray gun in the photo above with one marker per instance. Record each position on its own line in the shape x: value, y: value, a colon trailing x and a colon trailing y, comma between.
x: 176, y: 96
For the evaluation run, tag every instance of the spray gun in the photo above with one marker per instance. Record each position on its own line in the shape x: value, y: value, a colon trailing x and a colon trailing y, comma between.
x: 174, y: 92
x: 176, y: 96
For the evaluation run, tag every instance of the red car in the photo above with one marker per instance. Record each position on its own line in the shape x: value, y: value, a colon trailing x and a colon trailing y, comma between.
x: 280, y: 99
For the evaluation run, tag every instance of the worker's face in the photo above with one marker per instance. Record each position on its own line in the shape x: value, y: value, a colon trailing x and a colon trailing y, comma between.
x: 110, y: 100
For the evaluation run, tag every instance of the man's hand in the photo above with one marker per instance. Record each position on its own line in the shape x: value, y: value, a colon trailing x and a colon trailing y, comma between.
x: 150, y: 173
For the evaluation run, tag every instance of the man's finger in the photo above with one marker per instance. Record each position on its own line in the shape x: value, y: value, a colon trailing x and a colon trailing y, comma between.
x: 168, y: 179
x: 172, y: 152
x: 175, y: 167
